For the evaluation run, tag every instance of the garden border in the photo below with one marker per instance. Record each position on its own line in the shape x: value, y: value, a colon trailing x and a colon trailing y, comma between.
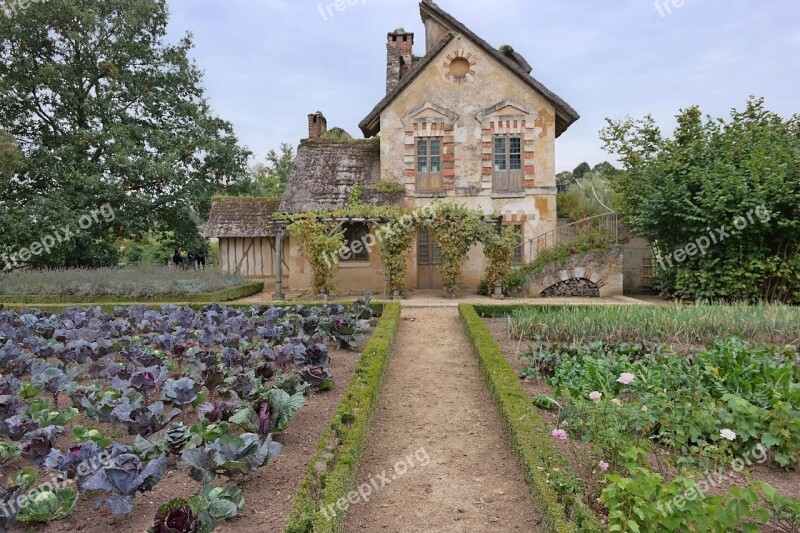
x: 543, y: 465
x: 333, y: 468
x: 225, y: 295
x: 377, y: 307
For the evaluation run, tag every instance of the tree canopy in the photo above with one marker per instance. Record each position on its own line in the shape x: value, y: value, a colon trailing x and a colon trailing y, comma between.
x: 268, y: 179
x: 104, y: 111
x: 730, y: 187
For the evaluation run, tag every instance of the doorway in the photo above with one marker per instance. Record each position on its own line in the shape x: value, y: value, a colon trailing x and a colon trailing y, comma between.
x: 428, y: 260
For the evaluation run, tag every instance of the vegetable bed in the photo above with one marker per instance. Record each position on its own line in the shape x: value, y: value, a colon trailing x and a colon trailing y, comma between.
x: 670, y: 438
x: 117, y: 285
x: 127, y: 411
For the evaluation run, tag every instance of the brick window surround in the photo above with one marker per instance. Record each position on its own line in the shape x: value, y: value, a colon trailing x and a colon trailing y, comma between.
x: 424, y: 126
x: 507, y: 120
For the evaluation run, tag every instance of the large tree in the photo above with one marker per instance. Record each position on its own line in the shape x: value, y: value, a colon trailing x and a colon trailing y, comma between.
x: 106, y: 112
x: 720, y: 200
x: 268, y: 179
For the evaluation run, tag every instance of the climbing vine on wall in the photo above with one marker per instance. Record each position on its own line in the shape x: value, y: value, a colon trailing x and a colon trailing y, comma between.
x: 499, y: 251
x: 456, y: 228
x: 321, y: 246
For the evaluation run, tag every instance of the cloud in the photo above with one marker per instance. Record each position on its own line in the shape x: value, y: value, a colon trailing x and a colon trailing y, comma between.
x: 269, y: 63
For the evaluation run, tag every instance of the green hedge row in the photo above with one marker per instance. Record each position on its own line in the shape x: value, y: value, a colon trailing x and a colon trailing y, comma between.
x: 225, y: 295
x: 108, y: 308
x: 549, y: 475
x: 333, y: 469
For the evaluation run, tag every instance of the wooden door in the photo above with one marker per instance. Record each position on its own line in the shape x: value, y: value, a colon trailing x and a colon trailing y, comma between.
x: 428, y: 260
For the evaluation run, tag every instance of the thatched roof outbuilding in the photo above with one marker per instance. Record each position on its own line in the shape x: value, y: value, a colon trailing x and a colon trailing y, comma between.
x: 238, y: 217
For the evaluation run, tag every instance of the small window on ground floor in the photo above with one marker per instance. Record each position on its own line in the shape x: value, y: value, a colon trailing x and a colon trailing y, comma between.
x: 355, y: 237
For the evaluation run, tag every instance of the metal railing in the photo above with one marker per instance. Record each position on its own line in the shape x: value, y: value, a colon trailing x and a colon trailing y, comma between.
x: 569, y: 232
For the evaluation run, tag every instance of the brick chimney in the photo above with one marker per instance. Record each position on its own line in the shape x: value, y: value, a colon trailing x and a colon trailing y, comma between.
x: 399, y: 55
x: 317, y: 125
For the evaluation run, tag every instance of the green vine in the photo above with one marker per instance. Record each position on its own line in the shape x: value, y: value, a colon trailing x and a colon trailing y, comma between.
x: 321, y: 248
x: 499, y: 251
x: 457, y: 229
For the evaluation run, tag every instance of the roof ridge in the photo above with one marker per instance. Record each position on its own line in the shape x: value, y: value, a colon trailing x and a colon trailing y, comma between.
x: 430, y: 8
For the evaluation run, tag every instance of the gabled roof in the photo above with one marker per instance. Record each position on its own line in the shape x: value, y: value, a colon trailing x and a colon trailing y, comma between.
x: 325, y: 173
x: 240, y: 217
x: 565, y: 114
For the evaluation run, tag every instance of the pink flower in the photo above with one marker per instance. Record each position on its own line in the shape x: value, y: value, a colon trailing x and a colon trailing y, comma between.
x: 559, y: 434
x: 626, y: 378
x: 617, y: 402
x: 603, y: 466
x: 596, y: 396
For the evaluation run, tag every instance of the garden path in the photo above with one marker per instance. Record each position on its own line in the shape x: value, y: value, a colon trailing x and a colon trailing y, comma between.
x: 436, y: 419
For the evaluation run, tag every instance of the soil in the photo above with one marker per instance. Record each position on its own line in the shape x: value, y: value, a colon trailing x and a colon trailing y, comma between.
x: 786, y: 483
x: 269, y: 493
x: 435, y: 404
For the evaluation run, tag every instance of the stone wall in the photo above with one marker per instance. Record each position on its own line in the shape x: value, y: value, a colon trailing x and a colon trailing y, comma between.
x: 464, y: 115
x: 576, y: 287
x: 601, y: 269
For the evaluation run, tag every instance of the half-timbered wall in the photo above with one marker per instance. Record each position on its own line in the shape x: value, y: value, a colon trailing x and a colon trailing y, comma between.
x: 252, y: 257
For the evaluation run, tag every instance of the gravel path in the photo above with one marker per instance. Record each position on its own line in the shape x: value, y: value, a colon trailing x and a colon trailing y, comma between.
x: 437, y: 459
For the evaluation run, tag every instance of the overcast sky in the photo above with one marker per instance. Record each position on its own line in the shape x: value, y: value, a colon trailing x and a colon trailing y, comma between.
x: 269, y: 63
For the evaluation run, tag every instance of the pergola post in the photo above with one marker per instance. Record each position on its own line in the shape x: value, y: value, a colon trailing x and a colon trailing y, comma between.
x: 279, y: 236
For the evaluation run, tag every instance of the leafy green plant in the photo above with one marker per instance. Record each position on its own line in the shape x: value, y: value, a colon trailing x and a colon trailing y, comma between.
x: 670, y: 194
x: 643, y: 502
x: 201, y: 513
x: 499, y: 252
x: 229, y: 456
x: 48, y: 505
x: 321, y: 244
x: 8, y: 451
x: 457, y: 229
x: 82, y: 434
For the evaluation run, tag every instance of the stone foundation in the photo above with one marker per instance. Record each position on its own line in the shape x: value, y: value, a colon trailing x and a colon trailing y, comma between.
x: 576, y: 287
x: 598, y: 272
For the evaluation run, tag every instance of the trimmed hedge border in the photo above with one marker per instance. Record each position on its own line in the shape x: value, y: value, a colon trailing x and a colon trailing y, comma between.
x: 333, y: 469
x: 108, y: 308
x: 225, y: 295
x: 544, y: 467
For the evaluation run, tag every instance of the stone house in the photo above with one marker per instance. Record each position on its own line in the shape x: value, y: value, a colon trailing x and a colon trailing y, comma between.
x: 466, y: 122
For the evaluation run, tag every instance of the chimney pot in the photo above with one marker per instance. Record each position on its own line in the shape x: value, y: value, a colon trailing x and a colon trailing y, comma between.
x: 400, y: 57
x: 317, y: 125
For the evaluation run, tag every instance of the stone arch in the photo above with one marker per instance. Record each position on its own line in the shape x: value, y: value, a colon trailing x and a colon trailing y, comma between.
x: 575, y: 287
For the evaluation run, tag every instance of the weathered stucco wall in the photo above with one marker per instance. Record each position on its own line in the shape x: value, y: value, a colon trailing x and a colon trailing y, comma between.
x: 465, y: 115
x: 356, y: 278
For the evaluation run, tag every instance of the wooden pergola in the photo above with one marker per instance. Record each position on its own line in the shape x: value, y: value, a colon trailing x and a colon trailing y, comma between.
x: 280, y: 228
